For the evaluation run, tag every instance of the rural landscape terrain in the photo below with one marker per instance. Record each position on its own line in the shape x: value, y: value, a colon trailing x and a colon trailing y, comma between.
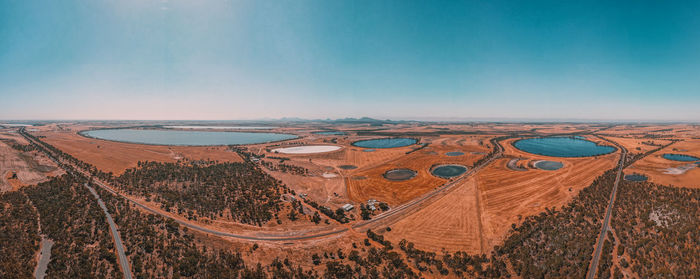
x: 349, y: 198
x: 349, y: 139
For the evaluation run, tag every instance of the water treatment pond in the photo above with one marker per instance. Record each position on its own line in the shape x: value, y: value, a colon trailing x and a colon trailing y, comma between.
x: 562, y: 147
x: 385, y: 143
x: 635, y: 177
x: 548, y: 165
x: 680, y: 157
x: 448, y: 171
x: 348, y: 167
x: 399, y: 174
x: 188, y: 138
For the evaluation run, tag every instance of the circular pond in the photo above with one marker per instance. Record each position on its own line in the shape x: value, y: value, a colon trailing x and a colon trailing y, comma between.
x: 188, y: 138
x: 448, y: 171
x: 680, y: 157
x: 548, y: 165
x: 400, y: 174
x: 385, y: 143
x: 562, y: 147
x: 331, y: 133
x: 454, y: 153
x: 635, y: 177
x: 307, y: 149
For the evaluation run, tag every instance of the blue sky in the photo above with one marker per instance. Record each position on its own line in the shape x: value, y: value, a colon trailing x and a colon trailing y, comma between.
x: 135, y: 59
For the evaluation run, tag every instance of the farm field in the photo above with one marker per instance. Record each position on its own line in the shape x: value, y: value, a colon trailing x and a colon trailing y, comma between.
x: 319, y: 175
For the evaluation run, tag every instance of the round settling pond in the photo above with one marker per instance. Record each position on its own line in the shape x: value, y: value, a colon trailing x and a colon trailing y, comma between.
x: 385, y: 143
x: 563, y: 147
x: 635, y: 177
x: 454, y: 153
x: 680, y: 157
x: 548, y: 165
x: 399, y: 174
x: 448, y: 171
x: 186, y: 138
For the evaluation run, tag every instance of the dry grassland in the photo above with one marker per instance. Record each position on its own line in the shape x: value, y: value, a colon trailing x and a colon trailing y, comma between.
x: 654, y: 165
x: 501, y: 197
x: 115, y: 157
x: 375, y: 186
x: 30, y: 167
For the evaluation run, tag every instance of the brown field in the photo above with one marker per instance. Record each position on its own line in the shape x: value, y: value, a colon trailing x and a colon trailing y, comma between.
x: 473, y: 216
x: 656, y: 131
x: 375, y: 186
x: 483, y: 208
x: 638, y: 145
x: 30, y: 167
x: 116, y: 157
x: 654, y: 166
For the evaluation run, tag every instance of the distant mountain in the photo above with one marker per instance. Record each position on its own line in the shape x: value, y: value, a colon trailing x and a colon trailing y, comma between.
x: 365, y: 120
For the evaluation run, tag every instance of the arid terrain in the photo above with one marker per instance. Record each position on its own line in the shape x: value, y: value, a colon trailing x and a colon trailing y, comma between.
x: 324, y: 197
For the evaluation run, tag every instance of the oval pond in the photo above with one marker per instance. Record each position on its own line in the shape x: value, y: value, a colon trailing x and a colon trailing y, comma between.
x: 548, y: 165
x: 188, y: 138
x: 448, y: 171
x: 562, y: 147
x: 385, y: 143
x: 399, y: 174
x: 680, y: 157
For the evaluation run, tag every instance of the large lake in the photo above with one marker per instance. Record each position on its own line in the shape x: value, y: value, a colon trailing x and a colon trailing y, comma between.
x: 563, y: 147
x: 190, y: 138
x: 222, y: 127
x: 385, y: 143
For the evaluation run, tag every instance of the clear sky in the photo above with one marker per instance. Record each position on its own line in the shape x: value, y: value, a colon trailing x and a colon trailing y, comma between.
x: 140, y: 59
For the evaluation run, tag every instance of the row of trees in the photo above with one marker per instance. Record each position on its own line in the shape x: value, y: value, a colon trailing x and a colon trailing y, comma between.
x: 160, y: 248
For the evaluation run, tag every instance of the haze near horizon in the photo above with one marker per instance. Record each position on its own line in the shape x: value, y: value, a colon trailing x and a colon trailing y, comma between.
x: 210, y: 60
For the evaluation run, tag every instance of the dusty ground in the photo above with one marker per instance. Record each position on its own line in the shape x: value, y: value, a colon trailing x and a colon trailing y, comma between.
x: 367, y: 181
x: 473, y: 217
x: 479, y: 213
x: 30, y: 167
x: 654, y: 166
x: 115, y: 157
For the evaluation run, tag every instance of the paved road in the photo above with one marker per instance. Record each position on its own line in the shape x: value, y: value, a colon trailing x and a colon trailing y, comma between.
x: 604, y: 230
x: 406, y: 207
x: 44, y: 257
x: 123, y: 261
x: 381, y: 217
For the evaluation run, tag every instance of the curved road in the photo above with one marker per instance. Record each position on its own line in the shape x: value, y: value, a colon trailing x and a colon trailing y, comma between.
x: 393, y: 212
x: 123, y: 260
